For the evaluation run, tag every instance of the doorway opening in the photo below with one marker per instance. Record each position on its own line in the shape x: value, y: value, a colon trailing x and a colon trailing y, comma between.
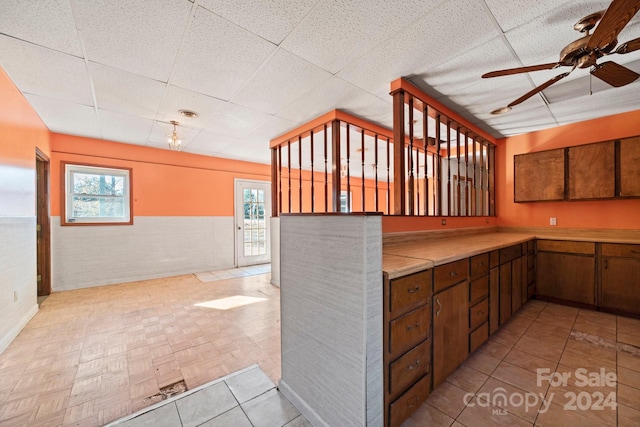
x: 43, y: 226
x: 252, y: 207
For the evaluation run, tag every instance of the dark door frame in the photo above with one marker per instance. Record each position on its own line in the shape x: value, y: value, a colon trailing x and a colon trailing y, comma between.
x: 43, y: 221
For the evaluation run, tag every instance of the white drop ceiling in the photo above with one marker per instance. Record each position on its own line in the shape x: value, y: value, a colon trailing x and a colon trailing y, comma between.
x: 120, y: 70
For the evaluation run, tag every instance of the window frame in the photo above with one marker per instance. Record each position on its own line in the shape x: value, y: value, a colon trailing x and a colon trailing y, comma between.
x: 67, y: 168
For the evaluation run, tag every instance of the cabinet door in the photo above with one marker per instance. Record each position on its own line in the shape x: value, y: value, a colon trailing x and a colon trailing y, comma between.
x: 505, y: 292
x: 630, y: 167
x: 524, y: 282
x: 621, y: 284
x: 450, y: 330
x: 567, y: 277
x: 516, y: 284
x: 494, y: 299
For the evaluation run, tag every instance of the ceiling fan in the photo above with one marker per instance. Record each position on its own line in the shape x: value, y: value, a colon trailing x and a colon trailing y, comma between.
x: 586, y: 51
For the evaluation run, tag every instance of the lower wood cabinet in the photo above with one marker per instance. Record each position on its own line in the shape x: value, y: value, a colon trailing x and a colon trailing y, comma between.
x: 620, y: 278
x: 450, y: 330
x: 566, y: 271
x: 407, y: 344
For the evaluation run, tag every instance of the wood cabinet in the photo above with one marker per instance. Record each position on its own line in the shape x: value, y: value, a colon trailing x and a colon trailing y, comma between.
x: 539, y: 176
x: 494, y: 291
x: 450, y: 319
x: 478, y: 300
x: 566, y: 271
x: 620, y: 278
x: 591, y: 171
x: 407, y: 344
x: 630, y: 167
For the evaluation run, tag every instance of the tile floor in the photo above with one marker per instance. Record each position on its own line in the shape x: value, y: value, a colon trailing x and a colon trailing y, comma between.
x: 561, y: 340
x: 243, y: 399
x: 94, y: 355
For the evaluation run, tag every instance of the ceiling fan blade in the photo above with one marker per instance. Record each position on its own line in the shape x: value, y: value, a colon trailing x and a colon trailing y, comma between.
x: 630, y: 46
x: 614, y: 74
x: 519, y: 70
x: 540, y: 88
x: 614, y: 20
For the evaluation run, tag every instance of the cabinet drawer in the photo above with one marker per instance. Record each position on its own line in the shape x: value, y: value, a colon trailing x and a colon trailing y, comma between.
x: 407, y: 331
x: 409, y: 402
x: 477, y: 337
x: 408, y: 368
x: 410, y: 292
x: 627, y: 251
x: 479, y: 265
x: 494, y: 258
x: 479, y: 289
x: 510, y: 253
x: 478, y: 314
x: 449, y: 274
x: 531, y: 247
x: 565, y: 246
x: 531, y: 262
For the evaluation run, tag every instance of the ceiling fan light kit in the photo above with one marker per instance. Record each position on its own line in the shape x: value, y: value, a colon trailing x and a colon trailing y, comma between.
x: 585, y: 52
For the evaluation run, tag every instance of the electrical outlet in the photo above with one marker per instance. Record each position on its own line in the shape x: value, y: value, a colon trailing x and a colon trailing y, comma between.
x: 553, y: 221
x: 444, y: 222
x: 15, y: 296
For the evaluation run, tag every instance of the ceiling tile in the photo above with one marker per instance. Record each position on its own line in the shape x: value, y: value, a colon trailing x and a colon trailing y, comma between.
x: 283, y: 78
x: 271, y: 20
x: 45, y: 72
x: 248, y: 150
x: 271, y: 129
x: 209, y: 144
x: 66, y: 117
x: 512, y: 13
x: 337, y: 93
x: 334, y: 33
x: 125, y: 92
x: 236, y: 121
x: 46, y: 23
x: 218, y: 57
x: 176, y: 99
x: 137, y: 36
x: 522, y: 120
x: 550, y: 32
x: 124, y: 128
x: 454, y: 27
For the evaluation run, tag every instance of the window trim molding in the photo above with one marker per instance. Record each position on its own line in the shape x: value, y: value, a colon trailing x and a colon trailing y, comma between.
x: 63, y: 194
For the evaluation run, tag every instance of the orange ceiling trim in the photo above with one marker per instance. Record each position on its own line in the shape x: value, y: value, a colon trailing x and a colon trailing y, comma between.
x: 318, y: 123
x: 408, y: 87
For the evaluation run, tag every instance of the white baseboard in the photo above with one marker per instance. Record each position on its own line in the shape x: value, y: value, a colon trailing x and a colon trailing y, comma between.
x: 13, y: 333
x: 301, y: 405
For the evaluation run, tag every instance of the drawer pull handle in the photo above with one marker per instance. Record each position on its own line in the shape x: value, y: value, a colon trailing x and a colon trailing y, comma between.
x: 439, y: 307
x: 453, y: 273
x: 480, y: 313
x: 412, y: 290
x: 412, y: 327
x: 633, y: 251
x: 415, y: 365
x: 481, y: 263
x: 413, y: 402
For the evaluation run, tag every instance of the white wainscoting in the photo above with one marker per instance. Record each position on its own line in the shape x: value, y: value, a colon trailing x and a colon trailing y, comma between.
x: 18, y: 286
x: 154, y: 246
x: 275, y: 251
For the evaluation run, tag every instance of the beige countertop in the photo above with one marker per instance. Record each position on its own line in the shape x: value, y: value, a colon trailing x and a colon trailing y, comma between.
x: 407, y: 258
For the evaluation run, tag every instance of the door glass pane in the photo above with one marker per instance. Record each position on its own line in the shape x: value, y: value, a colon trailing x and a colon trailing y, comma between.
x: 254, y: 222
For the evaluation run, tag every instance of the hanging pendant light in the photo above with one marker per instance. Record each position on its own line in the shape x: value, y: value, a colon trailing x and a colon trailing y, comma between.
x: 174, y: 139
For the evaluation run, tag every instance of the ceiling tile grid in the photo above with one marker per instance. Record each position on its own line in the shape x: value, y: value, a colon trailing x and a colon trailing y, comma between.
x: 66, y: 117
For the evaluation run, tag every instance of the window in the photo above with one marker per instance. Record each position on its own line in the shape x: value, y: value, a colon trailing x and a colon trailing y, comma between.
x: 345, y: 201
x: 96, y: 195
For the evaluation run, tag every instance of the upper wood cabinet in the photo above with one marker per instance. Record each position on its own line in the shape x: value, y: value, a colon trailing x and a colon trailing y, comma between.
x: 603, y: 170
x: 539, y: 176
x: 630, y: 167
x: 592, y: 171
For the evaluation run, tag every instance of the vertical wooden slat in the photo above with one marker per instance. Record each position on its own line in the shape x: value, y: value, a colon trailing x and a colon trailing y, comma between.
x: 459, y: 157
x: 289, y: 170
x: 398, y: 153
x: 448, y: 167
x: 465, y: 187
x: 362, y: 148
x: 438, y: 208
x: 492, y: 182
x: 313, y: 196
x: 482, y: 195
x: 474, y: 189
x: 389, y: 177
x: 425, y: 136
x: 335, y: 178
x: 326, y: 172
x: 410, y: 184
x: 300, y: 173
x: 348, y: 168
x: 280, y: 179
x: 375, y: 171
x: 274, y: 182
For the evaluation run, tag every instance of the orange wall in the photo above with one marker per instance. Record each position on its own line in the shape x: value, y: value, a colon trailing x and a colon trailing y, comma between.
x: 614, y: 214
x: 21, y: 131
x: 165, y: 183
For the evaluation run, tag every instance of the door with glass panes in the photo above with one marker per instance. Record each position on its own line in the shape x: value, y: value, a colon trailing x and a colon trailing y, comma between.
x: 253, y: 208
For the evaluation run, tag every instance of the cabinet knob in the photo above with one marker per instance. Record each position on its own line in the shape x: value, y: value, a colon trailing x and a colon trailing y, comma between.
x: 453, y: 273
x: 412, y: 327
x: 414, y: 365
x: 412, y: 290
